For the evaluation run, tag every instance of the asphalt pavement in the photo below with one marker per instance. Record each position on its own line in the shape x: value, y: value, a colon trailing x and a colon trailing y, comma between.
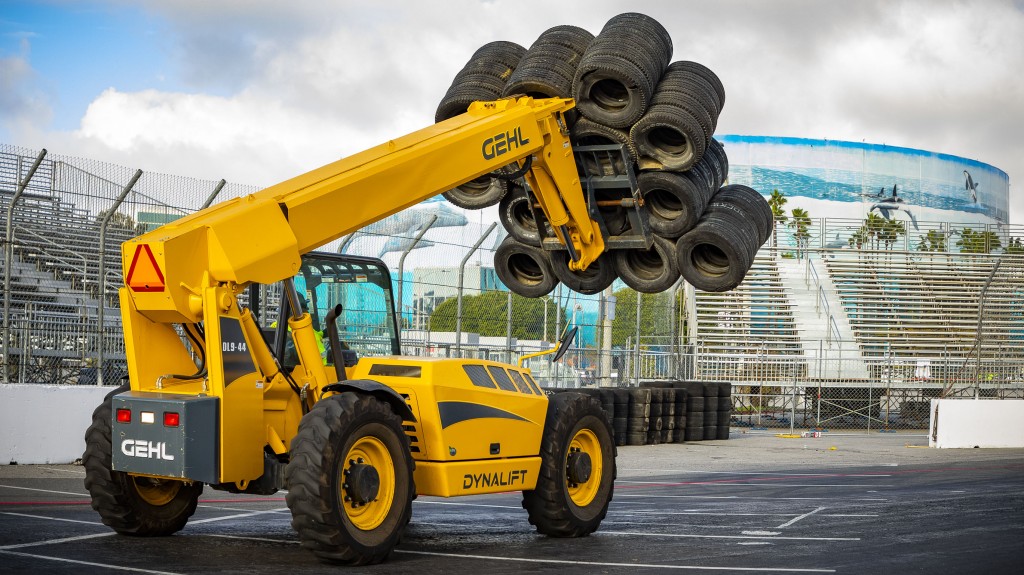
x: 854, y: 503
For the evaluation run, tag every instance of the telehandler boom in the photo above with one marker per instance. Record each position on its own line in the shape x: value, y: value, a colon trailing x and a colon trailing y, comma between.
x: 352, y: 430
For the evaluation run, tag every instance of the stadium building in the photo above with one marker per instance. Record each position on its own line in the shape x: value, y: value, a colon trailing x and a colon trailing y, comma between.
x: 898, y: 278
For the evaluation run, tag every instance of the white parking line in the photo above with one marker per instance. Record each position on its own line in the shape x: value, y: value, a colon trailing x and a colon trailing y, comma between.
x: 52, y: 518
x: 698, y: 536
x: 798, y: 518
x: 717, y: 483
x: 606, y: 564
x: 55, y: 541
x: 89, y: 563
x: 72, y: 471
x: 795, y: 474
x: 873, y: 499
x: 46, y: 490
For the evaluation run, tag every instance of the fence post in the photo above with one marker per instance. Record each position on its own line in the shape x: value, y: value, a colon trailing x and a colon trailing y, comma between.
x: 462, y: 276
x: 636, y: 367
x: 401, y: 264
x: 214, y: 194
x: 9, y: 255
x: 103, y: 273
x: 508, y: 328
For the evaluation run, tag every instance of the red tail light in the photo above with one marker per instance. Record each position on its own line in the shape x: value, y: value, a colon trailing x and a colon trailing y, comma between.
x: 171, y: 419
x: 124, y: 416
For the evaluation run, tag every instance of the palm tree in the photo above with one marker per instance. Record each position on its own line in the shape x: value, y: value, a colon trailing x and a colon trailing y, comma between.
x: 933, y: 241
x: 776, y: 201
x: 972, y: 242
x: 801, y: 224
x: 1014, y: 246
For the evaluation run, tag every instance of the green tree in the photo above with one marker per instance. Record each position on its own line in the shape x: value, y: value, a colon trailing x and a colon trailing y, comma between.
x: 120, y: 221
x: 776, y: 201
x: 972, y: 242
x: 487, y: 313
x: 933, y: 241
x: 890, y: 232
x: 801, y: 225
x: 656, y: 317
x: 1014, y: 246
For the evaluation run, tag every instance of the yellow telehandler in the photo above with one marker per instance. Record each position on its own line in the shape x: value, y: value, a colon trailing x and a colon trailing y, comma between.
x: 352, y: 430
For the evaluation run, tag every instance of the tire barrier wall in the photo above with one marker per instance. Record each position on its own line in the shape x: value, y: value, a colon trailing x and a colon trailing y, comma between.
x: 662, y: 116
x: 665, y: 412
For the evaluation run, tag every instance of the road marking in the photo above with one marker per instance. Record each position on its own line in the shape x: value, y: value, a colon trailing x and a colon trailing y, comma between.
x: 648, y: 496
x: 55, y: 541
x: 799, y: 517
x: 849, y: 515
x: 89, y: 563
x: 262, y: 539
x: 238, y: 516
x: 52, y: 518
x: 656, y: 512
x: 73, y: 471
x: 696, y: 536
x: 716, y: 483
x: 761, y: 532
x: 46, y: 490
x: 697, y: 472
x: 603, y: 564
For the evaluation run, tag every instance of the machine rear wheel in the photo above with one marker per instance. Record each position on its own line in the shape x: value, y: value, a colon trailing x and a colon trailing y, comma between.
x: 350, y: 483
x: 577, y: 473
x: 132, y: 505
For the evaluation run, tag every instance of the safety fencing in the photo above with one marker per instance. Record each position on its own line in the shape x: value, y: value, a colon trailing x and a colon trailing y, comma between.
x: 65, y: 218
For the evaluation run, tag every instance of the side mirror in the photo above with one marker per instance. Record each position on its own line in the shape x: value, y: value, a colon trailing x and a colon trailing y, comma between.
x: 564, y: 342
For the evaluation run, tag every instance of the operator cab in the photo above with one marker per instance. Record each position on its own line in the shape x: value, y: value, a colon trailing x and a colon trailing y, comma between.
x: 351, y: 293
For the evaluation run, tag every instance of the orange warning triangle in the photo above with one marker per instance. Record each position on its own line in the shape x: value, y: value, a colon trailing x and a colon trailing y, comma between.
x: 144, y: 273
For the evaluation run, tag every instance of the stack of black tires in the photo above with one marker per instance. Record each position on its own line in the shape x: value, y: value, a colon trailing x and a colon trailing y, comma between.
x: 663, y: 114
x: 666, y: 411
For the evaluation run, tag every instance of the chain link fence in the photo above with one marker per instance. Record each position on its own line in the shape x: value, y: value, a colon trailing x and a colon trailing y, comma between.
x: 62, y: 269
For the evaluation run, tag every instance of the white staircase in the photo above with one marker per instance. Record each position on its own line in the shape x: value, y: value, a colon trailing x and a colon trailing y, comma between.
x: 820, y: 320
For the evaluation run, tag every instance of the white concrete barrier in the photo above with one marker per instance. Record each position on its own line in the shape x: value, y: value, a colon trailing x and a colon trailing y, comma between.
x: 45, y: 423
x: 976, y: 423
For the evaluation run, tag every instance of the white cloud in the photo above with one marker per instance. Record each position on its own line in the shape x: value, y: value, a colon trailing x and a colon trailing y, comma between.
x: 279, y: 89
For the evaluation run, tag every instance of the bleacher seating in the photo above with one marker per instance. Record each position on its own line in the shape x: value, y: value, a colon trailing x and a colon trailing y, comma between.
x: 928, y: 305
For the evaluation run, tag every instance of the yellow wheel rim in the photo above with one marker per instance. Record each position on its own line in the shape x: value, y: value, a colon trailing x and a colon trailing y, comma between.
x: 369, y: 450
x: 582, y: 494
x: 156, y: 492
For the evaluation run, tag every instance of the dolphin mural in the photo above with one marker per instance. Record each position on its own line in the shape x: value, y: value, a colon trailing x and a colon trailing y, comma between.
x: 971, y: 186
x: 893, y: 203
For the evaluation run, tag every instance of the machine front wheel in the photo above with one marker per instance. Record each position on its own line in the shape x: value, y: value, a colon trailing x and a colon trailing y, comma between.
x: 132, y: 505
x: 350, y: 483
x: 577, y: 470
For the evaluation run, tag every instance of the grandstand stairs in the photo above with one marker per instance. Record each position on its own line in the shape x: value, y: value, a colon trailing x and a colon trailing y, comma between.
x: 820, y: 320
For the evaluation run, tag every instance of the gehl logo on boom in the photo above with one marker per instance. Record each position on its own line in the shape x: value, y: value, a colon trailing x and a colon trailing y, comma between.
x: 503, y: 143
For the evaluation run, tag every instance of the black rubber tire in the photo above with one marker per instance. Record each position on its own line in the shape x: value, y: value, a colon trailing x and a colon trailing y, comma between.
x: 636, y: 438
x: 717, y: 253
x: 550, y: 506
x: 693, y: 434
x: 599, y: 275
x: 674, y: 203
x: 639, y: 410
x: 753, y: 204
x: 695, y: 419
x: 715, y: 149
x: 722, y: 432
x: 653, y: 436
x: 315, y: 477
x: 621, y: 438
x: 724, y: 416
x: 704, y: 72
x: 648, y: 271
x: 711, y: 390
x: 478, y: 194
x: 667, y: 435
x: 724, y: 389
x: 586, y: 132
x: 710, y: 418
x: 680, y: 421
x: 611, y: 90
x: 523, y: 269
x: 115, y: 494
x: 519, y: 217
x: 463, y: 93
x: 668, y: 137
x: 549, y: 65
x: 620, y: 424
x: 725, y: 403
x: 638, y: 424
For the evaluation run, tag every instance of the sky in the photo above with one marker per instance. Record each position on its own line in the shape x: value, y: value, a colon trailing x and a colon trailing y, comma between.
x: 257, y: 91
